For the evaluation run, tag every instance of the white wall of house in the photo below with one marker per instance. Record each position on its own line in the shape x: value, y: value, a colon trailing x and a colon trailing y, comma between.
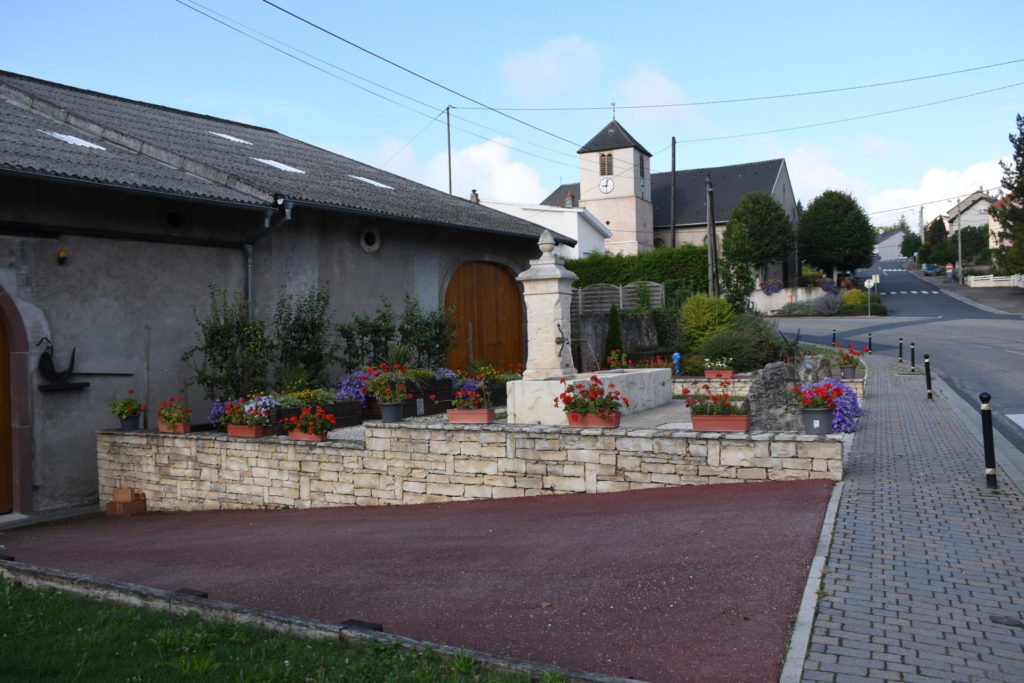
x: 578, y: 223
x: 976, y: 214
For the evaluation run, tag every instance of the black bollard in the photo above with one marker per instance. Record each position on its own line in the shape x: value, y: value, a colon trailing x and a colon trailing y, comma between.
x: 913, y: 367
x: 833, y: 336
x: 986, y: 436
x: 870, y: 346
x: 901, y: 350
x: 928, y: 374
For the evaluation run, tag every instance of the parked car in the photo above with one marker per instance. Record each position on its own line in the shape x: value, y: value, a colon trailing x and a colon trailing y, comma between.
x: 931, y: 269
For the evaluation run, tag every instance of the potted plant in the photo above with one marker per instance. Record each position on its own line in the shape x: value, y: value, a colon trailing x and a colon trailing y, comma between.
x: 309, y: 424
x: 129, y: 410
x: 471, y: 402
x: 617, y: 358
x: 718, y: 368
x: 387, y: 383
x: 719, y: 412
x: 346, y: 410
x: 174, y: 416
x: 248, y: 418
x: 848, y: 361
x: 588, y: 404
x: 817, y: 404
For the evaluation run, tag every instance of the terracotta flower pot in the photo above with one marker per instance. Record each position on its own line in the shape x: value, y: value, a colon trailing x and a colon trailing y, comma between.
x: 299, y: 435
x: 609, y: 421
x: 174, y: 427
x: 246, y: 431
x: 817, y: 420
x: 471, y: 416
x: 720, y: 374
x: 720, y: 423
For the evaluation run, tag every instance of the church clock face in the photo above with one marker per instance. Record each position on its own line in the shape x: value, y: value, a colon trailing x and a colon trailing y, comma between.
x: 606, y: 185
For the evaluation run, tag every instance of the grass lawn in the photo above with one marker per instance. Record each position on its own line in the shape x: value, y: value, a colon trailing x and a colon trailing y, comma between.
x: 46, y: 635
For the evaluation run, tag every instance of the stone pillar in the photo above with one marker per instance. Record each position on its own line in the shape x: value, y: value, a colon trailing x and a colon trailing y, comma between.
x: 547, y: 291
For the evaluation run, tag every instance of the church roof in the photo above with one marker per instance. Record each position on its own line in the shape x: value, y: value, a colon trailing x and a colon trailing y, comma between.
x: 612, y: 136
x: 730, y: 183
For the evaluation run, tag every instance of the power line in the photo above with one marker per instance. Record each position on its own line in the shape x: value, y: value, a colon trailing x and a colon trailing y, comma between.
x: 852, y: 118
x: 932, y: 201
x: 418, y: 75
x: 762, y: 98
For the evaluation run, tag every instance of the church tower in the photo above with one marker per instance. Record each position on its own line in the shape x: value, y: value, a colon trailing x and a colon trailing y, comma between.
x: 615, y: 186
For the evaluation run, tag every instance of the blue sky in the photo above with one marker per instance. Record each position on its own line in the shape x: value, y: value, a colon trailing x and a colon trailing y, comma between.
x: 539, y: 56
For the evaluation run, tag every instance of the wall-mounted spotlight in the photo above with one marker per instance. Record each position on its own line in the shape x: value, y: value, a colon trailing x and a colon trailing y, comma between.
x: 62, y: 257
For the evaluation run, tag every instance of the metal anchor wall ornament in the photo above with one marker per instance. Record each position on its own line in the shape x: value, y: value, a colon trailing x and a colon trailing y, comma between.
x: 46, y: 368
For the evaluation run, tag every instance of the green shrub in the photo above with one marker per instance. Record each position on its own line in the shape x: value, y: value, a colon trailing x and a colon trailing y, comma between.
x: 422, y: 337
x: 307, y: 397
x: 751, y: 341
x: 687, y: 263
x: 797, y: 308
x: 702, y: 315
x: 303, y: 340
x: 233, y: 353
x: 855, y: 298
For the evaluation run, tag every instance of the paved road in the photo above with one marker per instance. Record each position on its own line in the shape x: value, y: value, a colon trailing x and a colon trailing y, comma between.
x: 685, y: 584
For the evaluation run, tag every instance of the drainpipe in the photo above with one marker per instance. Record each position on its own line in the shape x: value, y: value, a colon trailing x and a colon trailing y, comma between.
x: 270, y: 223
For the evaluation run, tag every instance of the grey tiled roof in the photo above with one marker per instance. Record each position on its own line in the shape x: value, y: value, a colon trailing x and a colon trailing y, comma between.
x: 612, y: 136
x: 729, y: 182
x: 152, y: 148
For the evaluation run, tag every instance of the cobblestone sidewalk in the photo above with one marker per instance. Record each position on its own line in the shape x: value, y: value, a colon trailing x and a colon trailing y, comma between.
x: 925, y: 561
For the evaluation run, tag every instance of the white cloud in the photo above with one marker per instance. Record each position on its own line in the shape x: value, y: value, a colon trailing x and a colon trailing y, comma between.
x: 878, y: 146
x: 552, y: 71
x: 936, y: 192
x: 645, y: 85
x: 485, y: 167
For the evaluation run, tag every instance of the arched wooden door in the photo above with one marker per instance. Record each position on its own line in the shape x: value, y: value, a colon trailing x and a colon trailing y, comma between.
x: 6, y: 446
x: 488, y: 315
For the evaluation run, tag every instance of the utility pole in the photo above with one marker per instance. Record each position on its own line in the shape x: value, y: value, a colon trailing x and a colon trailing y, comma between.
x: 713, y: 289
x: 672, y: 200
x: 959, y: 246
x: 448, y: 118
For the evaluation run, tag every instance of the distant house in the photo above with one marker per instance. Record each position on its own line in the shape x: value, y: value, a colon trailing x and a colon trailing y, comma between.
x: 116, y: 216
x: 970, y: 211
x: 617, y: 186
x: 996, y: 238
x: 572, y: 221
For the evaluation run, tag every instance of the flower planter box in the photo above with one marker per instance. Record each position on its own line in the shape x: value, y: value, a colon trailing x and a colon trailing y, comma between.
x: 298, y: 435
x: 471, y: 416
x: 247, y: 431
x: 609, y: 421
x: 174, y: 427
x: 720, y: 374
x: 346, y: 414
x: 720, y: 423
x: 420, y: 403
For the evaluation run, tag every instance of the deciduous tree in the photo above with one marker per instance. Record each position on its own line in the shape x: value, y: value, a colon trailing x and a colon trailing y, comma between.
x: 835, y: 233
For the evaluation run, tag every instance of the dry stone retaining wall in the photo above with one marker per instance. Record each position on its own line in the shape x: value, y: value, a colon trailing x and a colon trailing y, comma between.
x: 422, y: 463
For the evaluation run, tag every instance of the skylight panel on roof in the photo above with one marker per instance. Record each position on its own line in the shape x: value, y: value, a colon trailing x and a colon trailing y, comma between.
x: 278, y: 165
x: 71, y: 139
x: 371, y: 182
x: 232, y: 138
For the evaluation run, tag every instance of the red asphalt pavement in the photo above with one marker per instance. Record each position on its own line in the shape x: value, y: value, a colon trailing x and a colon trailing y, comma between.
x: 678, y: 584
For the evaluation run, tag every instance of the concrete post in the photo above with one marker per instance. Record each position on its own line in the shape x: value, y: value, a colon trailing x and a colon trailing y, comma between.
x: 547, y: 291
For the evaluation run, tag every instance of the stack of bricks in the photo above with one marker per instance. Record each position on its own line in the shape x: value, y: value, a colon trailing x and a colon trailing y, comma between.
x: 126, y: 502
x: 411, y: 462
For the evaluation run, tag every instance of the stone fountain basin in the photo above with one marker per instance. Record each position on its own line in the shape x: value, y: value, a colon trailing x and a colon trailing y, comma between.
x: 531, y: 401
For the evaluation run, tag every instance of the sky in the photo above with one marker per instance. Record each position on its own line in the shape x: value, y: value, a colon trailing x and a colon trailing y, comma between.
x: 528, y: 83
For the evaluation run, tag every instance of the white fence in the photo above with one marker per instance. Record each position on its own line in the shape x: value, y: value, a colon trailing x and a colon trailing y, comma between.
x: 994, y: 280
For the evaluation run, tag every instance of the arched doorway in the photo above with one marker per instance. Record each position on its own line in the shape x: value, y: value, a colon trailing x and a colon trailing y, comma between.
x: 488, y: 314
x: 6, y: 450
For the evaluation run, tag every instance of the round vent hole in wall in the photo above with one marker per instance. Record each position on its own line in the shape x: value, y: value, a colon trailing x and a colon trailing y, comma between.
x: 369, y: 240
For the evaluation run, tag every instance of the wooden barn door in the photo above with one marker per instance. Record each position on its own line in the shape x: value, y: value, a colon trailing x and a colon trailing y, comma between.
x: 6, y: 448
x: 489, y: 314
